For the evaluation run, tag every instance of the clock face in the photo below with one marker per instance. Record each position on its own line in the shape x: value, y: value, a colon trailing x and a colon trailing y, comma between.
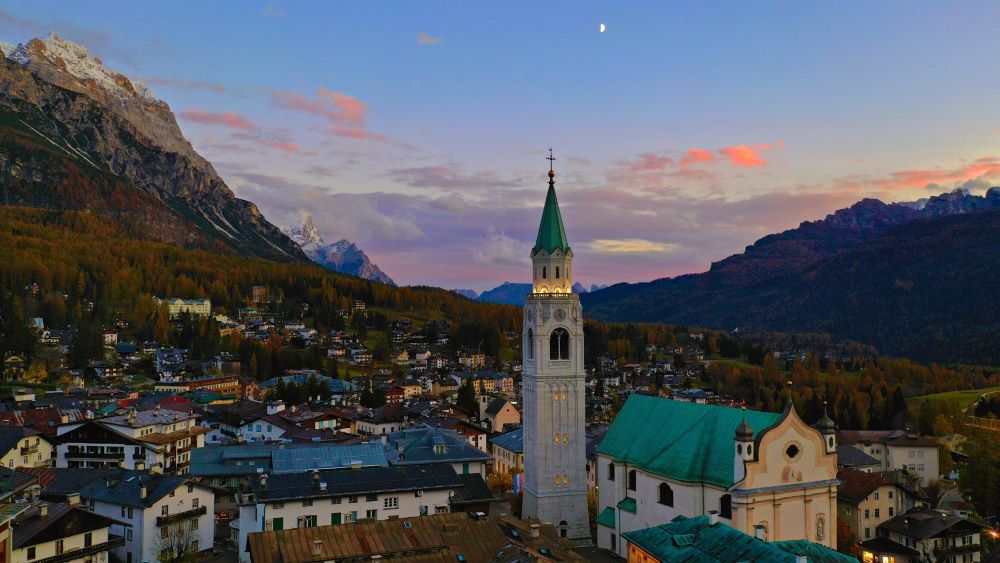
x: 561, y: 314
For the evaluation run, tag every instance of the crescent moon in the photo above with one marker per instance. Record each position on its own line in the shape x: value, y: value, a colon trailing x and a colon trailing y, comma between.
x: 603, y: 27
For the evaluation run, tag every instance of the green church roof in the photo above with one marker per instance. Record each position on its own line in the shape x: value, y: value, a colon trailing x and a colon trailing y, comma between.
x: 607, y: 517
x: 627, y: 503
x: 696, y: 539
x: 679, y: 440
x: 551, y: 233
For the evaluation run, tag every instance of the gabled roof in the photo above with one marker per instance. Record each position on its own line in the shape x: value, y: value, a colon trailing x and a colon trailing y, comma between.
x: 697, y: 540
x: 922, y: 523
x: 680, y: 440
x: 849, y: 456
x: 551, y: 233
x: 856, y: 485
x: 888, y: 437
x: 427, y: 444
x: 495, y: 406
x: 123, y: 487
x: 11, y: 435
x: 61, y: 521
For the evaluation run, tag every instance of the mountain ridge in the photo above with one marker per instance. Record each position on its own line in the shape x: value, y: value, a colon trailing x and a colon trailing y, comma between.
x: 342, y: 256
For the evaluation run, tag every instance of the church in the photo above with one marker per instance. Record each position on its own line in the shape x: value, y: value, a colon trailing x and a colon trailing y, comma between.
x: 553, y: 384
x: 769, y: 475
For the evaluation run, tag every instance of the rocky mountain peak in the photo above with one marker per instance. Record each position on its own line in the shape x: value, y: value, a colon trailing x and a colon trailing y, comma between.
x: 342, y: 256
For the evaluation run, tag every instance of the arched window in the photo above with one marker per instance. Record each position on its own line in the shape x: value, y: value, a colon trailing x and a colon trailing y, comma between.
x: 726, y: 506
x: 531, y: 344
x: 557, y: 272
x: 559, y: 344
x: 611, y: 471
x: 666, y: 495
x: 631, y: 480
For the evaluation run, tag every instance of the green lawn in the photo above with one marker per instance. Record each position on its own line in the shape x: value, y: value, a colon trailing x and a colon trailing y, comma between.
x: 731, y: 362
x: 964, y: 398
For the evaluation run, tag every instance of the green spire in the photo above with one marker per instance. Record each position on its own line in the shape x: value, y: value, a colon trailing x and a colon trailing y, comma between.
x: 551, y: 233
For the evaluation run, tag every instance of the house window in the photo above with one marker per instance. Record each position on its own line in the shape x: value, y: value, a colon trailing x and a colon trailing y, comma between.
x: 559, y: 344
x: 31, y: 553
x: 306, y: 521
x: 128, y: 534
x: 390, y: 502
x: 868, y: 533
x: 666, y: 495
x: 531, y: 344
x: 59, y: 547
x: 195, y: 503
x: 371, y: 514
x: 88, y: 539
x: 876, y: 497
x: 611, y: 472
x: 190, y: 487
x: 631, y: 480
x: 890, y: 494
x: 876, y: 512
x: 164, y: 510
x: 867, y: 513
x: 352, y: 499
x: 193, y: 525
x: 307, y: 502
x: 371, y: 498
x: 336, y: 500
x: 892, y: 511
x: 726, y: 506
x: 614, y: 542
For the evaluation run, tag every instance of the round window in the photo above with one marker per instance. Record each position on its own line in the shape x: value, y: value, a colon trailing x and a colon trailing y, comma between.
x: 792, y: 451
x: 739, y: 449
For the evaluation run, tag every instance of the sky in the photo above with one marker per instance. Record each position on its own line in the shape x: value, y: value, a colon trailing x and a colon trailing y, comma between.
x: 682, y: 133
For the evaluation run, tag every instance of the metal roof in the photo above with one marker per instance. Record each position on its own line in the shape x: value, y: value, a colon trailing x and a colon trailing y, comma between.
x: 684, y: 441
x: 292, y: 486
x: 291, y: 459
x: 551, y: 232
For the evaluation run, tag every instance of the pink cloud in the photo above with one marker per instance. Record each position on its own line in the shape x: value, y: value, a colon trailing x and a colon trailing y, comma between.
x: 424, y: 38
x: 744, y: 155
x: 347, y: 115
x: 695, y: 156
x: 356, y: 133
x: 649, y: 162
x: 283, y: 146
x: 224, y: 119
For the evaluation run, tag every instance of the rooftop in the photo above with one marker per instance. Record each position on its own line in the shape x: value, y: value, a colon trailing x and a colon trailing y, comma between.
x: 285, y: 486
x: 922, y: 523
x: 849, y: 456
x: 427, y: 444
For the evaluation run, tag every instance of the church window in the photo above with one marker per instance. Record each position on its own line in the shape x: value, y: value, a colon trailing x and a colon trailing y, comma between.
x: 565, y: 479
x: 565, y: 395
x: 749, y: 449
x: 531, y: 344
x: 666, y: 495
x: 555, y: 439
x: 559, y: 344
x: 726, y: 506
x: 557, y: 272
x: 739, y: 449
x: 611, y: 472
x: 792, y: 451
x: 631, y: 480
x: 565, y: 438
x: 563, y: 529
x: 543, y: 273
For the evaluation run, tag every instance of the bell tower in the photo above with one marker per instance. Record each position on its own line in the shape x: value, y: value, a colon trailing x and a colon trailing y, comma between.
x: 555, y: 477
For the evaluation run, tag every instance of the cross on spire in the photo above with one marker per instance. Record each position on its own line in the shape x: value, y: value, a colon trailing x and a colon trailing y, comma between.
x: 551, y: 159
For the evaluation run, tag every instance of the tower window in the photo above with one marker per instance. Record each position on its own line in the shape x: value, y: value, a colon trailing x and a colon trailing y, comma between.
x: 531, y: 344
x: 666, y: 495
x: 543, y: 273
x: 557, y: 272
x: 559, y: 344
x: 611, y: 472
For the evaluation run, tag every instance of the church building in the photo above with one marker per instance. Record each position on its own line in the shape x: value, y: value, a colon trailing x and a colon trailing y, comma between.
x: 769, y: 475
x: 553, y: 385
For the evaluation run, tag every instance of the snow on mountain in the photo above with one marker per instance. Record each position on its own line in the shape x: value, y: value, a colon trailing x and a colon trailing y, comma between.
x: 342, y: 256
x: 469, y: 293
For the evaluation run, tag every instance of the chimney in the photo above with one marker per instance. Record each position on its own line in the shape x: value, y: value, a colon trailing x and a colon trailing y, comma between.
x: 263, y: 480
x: 43, y: 511
x: 713, y: 517
x: 73, y: 499
x: 535, y: 529
x: 142, y: 491
x: 759, y: 532
x: 317, y: 547
x: 316, y: 477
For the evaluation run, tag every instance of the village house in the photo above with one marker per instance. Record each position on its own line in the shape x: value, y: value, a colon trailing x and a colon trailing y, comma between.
x: 500, y: 414
x: 56, y: 532
x: 24, y: 447
x: 425, y: 445
x: 897, y: 449
x: 193, y: 307
x: 663, y: 458
x: 865, y: 500
x: 924, y: 534
x: 508, y: 452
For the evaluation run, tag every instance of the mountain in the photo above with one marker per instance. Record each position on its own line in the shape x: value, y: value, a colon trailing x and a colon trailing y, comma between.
x: 913, y: 279
x: 467, y: 293
x: 510, y: 293
x: 75, y: 135
x: 342, y: 256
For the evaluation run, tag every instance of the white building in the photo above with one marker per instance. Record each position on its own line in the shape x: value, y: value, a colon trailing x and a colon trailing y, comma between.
x: 898, y: 449
x: 554, y: 384
x: 153, y: 512
x: 341, y: 496
x: 194, y: 307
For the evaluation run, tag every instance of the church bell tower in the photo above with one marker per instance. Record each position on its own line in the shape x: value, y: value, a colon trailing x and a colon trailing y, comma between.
x: 553, y: 386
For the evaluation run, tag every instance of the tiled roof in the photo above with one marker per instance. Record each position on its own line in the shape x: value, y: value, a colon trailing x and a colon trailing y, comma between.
x: 437, y: 538
x: 890, y: 437
x: 11, y: 435
x: 59, y: 482
x: 12, y: 481
x: 885, y: 545
x: 30, y: 528
x: 473, y: 490
x: 697, y: 540
x: 684, y: 441
x: 856, y: 485
x: 288, y: 486
x: 849, y: 456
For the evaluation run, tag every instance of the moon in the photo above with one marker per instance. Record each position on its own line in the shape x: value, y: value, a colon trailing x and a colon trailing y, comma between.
x: 603, y: 27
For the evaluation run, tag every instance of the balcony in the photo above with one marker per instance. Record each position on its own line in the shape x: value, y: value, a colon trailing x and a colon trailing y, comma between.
x: 95, y: 455
x: 29, y: 450
x: 948, y: 551
x: 187, y: 514
x: 74, y: 554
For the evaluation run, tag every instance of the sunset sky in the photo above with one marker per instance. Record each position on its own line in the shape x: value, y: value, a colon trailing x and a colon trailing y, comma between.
x: 682, y: 134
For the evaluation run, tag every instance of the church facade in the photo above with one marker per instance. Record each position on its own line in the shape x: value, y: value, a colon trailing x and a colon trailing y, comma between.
x: 769, y: 475
x: 553, y: 384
